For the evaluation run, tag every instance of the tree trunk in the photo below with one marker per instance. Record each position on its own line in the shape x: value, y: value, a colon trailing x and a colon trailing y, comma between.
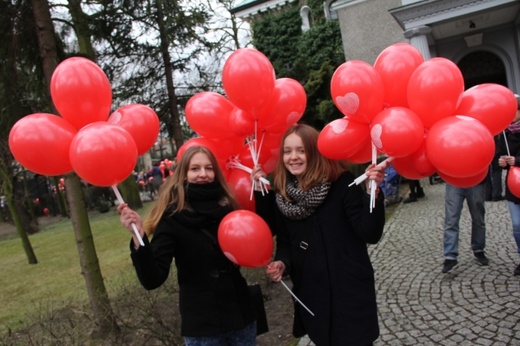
x: 80, y: 20
x: 7, y: 188
x: 98, y: 297
x: 175, y: 129
x: 24, y: 236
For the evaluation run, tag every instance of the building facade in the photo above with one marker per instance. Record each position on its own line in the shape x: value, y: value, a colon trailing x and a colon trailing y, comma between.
x: 481, y: 36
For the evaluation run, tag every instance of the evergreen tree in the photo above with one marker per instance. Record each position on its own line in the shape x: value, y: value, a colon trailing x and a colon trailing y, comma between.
x: 311, y: 57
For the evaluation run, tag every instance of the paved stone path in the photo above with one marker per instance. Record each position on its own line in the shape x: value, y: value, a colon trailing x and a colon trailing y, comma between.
x: 471, y: 305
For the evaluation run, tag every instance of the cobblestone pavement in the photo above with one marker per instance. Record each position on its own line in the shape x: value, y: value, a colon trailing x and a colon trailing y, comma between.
x: 471, y: 305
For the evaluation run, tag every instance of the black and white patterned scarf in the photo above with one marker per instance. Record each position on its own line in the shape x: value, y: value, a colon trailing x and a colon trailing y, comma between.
x: 302, y: 203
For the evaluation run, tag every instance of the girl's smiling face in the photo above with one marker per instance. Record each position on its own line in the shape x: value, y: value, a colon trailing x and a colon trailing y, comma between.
x: 294, y: 157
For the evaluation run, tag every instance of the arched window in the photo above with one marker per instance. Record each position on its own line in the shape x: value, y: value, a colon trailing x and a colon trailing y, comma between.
x: 305, y: 14
x: 482, y: 67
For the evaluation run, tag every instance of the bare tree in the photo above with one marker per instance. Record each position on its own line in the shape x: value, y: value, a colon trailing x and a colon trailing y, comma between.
x: 98, y: 296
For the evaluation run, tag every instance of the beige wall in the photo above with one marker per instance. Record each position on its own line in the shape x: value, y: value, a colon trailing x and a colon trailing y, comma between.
x: 367, y: 28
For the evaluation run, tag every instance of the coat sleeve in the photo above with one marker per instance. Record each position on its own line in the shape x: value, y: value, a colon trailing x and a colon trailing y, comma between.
x: 368, y: 225
x: 152, y: 262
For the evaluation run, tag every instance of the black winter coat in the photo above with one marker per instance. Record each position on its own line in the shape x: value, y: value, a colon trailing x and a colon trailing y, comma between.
x: 334, y: 277
x: 213, y: 295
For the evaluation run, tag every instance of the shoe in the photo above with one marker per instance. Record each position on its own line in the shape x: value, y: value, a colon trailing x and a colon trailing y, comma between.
x: 517, y: 270
x: 481, y: 258
x: 420, y: 192
x: 410, y: 199
x: 501, y: 198
x: 449, y: 264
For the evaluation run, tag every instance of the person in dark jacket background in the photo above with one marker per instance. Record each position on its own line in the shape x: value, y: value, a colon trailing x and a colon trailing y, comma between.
x: 508, y: 159
x: 322, y: 229
x: 214, y: 300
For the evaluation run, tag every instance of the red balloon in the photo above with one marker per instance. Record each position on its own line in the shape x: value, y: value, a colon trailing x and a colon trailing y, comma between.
x: 405, y: 167
x: 397, y: 131
x: 81, y: 92
x: 465, y: 181
x: 45, y: 211
x: 342, y: 138
x: 513, y: 180
x: 357, y: 90
x: 208, y: 113
x: 395, y: 65
x: 493, y: 105
x: 240, y: 182
x: 40, y: 142
x: 229, y: 146
x: 435, y: 90
x: 199, y: 141
x: 103, y: 154
x: 141, y: 122
x: 363, y: 155
x: 285, y: 106
x: 421, y: 162
x: 248, y: 78
x: 245, y: 239
x: 241, y: 124
x: 459, y: 146
x: 217, y: 150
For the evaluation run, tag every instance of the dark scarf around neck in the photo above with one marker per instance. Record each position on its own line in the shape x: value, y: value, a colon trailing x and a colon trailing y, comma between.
x: 206, y: 206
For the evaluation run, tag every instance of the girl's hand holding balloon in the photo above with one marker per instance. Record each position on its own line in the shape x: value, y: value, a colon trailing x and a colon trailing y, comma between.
x: 375, y: 173
x: 257, y: 175
x: 505, y: 160
x: 129, y: 219
x: 275, y: 270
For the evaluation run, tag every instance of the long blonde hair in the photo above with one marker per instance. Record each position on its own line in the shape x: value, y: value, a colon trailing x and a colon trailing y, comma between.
x: 172, y: 191
x: 319, y: 168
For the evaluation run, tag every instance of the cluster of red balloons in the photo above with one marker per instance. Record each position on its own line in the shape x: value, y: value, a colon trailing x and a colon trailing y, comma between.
x: 102, y: 148
x: 418, y: 113
x: 244, y: 128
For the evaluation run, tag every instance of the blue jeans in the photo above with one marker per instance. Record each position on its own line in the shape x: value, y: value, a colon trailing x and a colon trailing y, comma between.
x: 241, y: 337
x: 454, y: 200
x: 514, y: 210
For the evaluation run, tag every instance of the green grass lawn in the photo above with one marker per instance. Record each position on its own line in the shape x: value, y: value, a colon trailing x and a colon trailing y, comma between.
x: 28, y: 290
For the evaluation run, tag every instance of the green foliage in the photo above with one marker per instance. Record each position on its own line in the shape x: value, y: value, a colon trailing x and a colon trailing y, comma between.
x: 309, y: 57
x: 320, y: 107
x: 277, y: 35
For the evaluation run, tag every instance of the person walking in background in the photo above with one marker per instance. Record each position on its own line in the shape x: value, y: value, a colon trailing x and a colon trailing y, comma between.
x: 214, y: 299
x: 322, y: 229
x: 454, y: 201
x: 416, y: 191
x: 157, y: 176
x: 507, y: 160
x: 391, y: 185
x: 494, y: 189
